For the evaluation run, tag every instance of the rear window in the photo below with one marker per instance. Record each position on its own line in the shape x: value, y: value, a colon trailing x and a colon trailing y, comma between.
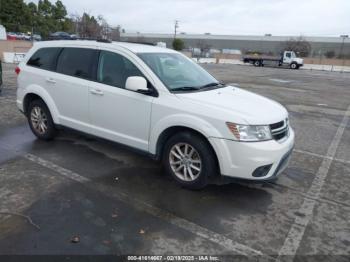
x: 44, y: 58
x: 78, y: 62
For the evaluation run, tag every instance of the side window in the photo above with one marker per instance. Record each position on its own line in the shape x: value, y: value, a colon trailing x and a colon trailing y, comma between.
x: 288, y: 55
x: 44, y: 58
x: 114, y: 69
x: 77, y: 62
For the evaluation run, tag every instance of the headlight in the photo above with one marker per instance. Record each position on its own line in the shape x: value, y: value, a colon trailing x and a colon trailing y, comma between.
x: 249, y: 133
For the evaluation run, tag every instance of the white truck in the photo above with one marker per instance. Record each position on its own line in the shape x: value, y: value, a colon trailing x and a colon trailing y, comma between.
x: 287, y: 58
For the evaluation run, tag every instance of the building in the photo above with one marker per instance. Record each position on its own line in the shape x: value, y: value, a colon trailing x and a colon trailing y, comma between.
x: 266, y: 44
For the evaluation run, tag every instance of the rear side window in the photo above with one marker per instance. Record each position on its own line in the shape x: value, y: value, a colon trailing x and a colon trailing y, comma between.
x: 44, y: 58
x: 78, y: 62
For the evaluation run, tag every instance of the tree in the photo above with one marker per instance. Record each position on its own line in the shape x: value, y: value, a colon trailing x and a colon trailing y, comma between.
x: 178, y: 44
x: 32, y: 14
x: 12, y: 15
x: 59, y: 11
x: 89, y: 26
x: 299, y: 45
x: 47, y: 17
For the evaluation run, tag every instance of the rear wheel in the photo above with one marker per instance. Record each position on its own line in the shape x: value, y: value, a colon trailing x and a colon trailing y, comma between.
x: 40, y: 120
x: 257, y: 63
x: 189, y: 159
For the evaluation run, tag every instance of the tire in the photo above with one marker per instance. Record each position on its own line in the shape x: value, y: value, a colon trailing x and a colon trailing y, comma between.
x: 257, y: 63
x: 40, y: 120
x: 197, y: 159
x: 294, y: 66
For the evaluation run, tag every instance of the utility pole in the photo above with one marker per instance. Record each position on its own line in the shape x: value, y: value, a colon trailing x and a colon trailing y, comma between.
x: 176, y: 27
x: 342, y: 47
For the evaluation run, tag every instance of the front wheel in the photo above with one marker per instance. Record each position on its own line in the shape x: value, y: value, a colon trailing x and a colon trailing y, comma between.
x: 294, y: 66
x: 189, y: 159
x: 40, y: 120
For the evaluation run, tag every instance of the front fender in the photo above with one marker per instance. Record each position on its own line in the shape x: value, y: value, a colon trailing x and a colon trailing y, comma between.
x: 180, y: 120
x: 45, y: 96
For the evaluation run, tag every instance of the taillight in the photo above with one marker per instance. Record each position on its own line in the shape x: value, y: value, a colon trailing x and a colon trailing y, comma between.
x: 17, y: 70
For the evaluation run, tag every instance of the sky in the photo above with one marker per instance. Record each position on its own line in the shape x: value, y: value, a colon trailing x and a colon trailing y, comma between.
x: 228, y: 17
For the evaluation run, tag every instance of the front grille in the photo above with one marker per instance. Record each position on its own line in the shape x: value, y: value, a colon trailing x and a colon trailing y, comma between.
x: 280, y: 129
x: 277, y: 125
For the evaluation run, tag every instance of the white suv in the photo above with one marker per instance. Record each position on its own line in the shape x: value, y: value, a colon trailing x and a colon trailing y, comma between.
x: 158, y: 101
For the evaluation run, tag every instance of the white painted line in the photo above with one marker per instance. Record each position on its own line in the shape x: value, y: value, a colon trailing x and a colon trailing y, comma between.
x: 322, y: 156
x: 311, y: 154
x: 276, y: 88
x: 315, y: 109
x: 154, y: 211
x: 305, y: 213
x: 62, y: 171
x: 280, y: 80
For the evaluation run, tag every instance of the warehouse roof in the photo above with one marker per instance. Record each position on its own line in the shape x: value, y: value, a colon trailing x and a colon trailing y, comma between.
x: 234, y: 37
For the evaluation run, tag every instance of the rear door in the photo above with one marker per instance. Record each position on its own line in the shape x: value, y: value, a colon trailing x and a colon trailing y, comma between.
x: 76, y: 67
x: 116, y: 113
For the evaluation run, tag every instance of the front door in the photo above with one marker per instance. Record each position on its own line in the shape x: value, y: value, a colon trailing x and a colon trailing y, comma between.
x: 287, y: 59
x: 116, y: 113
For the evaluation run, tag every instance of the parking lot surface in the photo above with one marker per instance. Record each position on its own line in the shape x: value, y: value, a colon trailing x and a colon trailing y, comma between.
x: 114, y: 201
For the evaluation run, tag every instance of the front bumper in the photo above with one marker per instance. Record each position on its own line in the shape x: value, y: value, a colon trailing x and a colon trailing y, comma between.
x: 241, y: 159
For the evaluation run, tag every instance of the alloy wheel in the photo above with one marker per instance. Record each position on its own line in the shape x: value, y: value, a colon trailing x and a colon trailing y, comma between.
x: 185, y: 162
x: 39, y: 120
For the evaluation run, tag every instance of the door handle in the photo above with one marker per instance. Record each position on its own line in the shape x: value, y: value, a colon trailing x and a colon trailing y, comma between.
x: 51, y: 80
x: 96, y: 92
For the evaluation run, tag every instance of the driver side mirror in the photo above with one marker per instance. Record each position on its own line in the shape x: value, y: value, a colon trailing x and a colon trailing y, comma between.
x: 137, y: 84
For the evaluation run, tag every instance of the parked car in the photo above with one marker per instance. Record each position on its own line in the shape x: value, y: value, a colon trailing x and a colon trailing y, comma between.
x: 11, y: 36
x: 21, y: 36
x: 157, y: 101
x: 36, y: 37
x: 28, y: 37
x: 73, y: 37
x: 60, y: 36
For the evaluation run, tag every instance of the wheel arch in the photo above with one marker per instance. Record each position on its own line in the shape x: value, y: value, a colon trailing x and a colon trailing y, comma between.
x: 171, y: 131
x: 33, y: 93
x: 294, y: 63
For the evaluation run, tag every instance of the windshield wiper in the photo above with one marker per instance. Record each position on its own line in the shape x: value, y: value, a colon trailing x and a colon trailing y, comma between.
x: 213, y: 84
x: 185, y: 88
x: 189, y: 88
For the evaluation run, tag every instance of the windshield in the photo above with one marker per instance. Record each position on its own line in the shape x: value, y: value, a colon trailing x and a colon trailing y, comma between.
x: 293, y: 55
x: 178, y: 72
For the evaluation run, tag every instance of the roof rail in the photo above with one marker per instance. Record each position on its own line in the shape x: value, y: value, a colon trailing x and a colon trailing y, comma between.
x: 103, y: 40
x: 141, y: 43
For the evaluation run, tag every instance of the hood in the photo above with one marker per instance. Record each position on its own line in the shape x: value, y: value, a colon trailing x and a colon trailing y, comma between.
x: 238, y: 104
x: 299, y: 60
